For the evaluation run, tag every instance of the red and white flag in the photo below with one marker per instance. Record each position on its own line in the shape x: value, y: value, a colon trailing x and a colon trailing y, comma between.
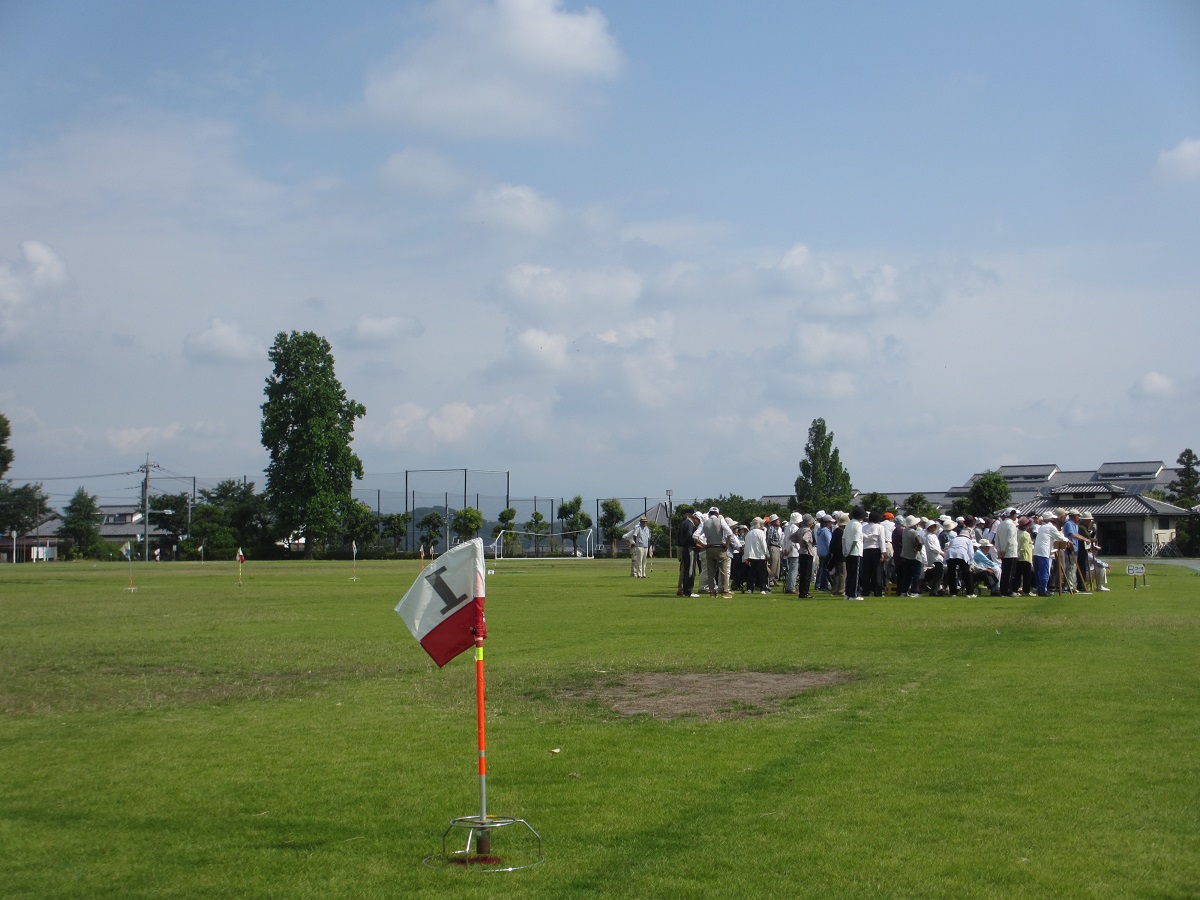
x: 241, y: 557
x: 444, y: 607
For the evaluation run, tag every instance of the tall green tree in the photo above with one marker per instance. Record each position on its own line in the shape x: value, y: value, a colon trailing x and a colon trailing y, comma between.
x: 504, y: 525
x: 1185, y: 492
x: 823, y: 482
x: 574, y: 520
x: 430, y: 527
x: 465, y: 523
x: 21, y: 508
x: 233, y: 515
x: 170, y: 513
x: 360, y: 525
x: 395, y: 527
x: 537, y: 526
x: 876, y: 502
x: 918, y: 505
x: 989, y: 493
x: 612, y: 516
x: 80, y: 528
x: 7, y: 455
x: 1185, y: 489
x: 308, y: 424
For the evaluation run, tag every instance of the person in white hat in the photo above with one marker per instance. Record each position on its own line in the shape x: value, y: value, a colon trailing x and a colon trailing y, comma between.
x: 717, y: 538
x: 911, y: 568
x: 1007, y: 549
x: 774, y: 532
x: 1043, y: 551
x: 791, y: 553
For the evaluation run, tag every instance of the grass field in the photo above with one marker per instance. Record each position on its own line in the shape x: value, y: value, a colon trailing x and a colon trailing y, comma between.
x: 288, y: 738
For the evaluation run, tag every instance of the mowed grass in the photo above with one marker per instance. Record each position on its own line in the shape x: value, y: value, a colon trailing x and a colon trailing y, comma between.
x: 287, y: 737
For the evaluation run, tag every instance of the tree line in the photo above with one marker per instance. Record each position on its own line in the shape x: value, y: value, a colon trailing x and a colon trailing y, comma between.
x: 307, y: 428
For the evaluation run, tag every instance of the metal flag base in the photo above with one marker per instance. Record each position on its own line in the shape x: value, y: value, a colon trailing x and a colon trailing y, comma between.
x: 486, y: 849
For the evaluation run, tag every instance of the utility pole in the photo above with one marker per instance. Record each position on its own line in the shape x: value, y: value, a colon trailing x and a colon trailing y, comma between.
x: 145, y: 470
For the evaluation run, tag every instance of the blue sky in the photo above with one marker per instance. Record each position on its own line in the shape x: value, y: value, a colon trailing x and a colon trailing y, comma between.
x: 614, y: 248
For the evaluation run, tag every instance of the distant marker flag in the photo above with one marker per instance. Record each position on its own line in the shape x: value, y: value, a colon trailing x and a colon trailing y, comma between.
x: 241, y: 557
x: 444, y: 607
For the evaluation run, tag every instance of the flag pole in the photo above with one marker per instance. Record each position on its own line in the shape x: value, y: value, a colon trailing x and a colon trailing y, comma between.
x: 483, y: 843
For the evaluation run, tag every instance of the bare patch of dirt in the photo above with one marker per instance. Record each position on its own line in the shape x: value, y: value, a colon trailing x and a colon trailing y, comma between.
x: 706, y: 695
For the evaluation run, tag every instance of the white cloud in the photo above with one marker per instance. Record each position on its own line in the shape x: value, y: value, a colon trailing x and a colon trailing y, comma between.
x: 223, y: 342
x: 819, y: 345
x: 1153, y: 385
x: 679, y: 234
x: 546, y: 290
x: 508, y: 68
x: 134, y: 440
x: 547, y: 350
x: 421, y: 170
x: 1182, y: 161
x: 381, y: 331
x: 36, y: 270
x: 514, y: 207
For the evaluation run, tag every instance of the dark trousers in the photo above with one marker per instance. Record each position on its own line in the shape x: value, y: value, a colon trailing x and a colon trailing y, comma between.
x: 956, y: 568
x: 872, y: 586
x: 804, y: 575
x: 1023, y: 576
x: 758, y: 574
x: 689, y: 562
x: 1007, y: 566
x: 853, y: 573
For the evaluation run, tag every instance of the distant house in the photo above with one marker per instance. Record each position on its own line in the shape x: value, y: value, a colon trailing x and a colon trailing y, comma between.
x: 1128, y: 523
x: 118, y: 525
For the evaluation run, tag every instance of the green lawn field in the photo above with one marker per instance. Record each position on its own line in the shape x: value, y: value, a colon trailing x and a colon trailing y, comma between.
x: 286, y: 737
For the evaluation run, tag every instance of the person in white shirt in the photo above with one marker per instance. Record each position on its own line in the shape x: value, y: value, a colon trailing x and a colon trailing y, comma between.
x: 791, y: 553
x: 639, y: 544
x: 1007, y: 549
x: 873, y: 546
x: 852, y: 548
x: 755, y: 555
x: 934, y: 567
x: 960, y: 553
x: 1043, y: 552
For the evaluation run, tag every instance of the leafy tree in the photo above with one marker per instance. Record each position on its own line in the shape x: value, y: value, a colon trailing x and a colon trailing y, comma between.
x: 876, y: 502
x: 504, y: 521
x: 465, y: 523
x: 1185, y: 489
x: 504, y: 524
x: 21, y: 508
x: 6, y: 453
x: 612, y: 516
x: 537, y: 526
x: 80, y: 528
x: 170, y: 513
x: 741, y: 509
x: 307, y: 426
x: 395, y: 527
x: 919, y: 505
x: 823, y: 482
x: 233, y: 516
x: 574, y: 520
x: 360, y: 525
x: 431, y: 526
x: 1185, y: 492
x: 211, y: 529
x: 989, y: 494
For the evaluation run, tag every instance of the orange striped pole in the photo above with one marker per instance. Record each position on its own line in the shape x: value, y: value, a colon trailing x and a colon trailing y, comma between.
x: 483, y: 843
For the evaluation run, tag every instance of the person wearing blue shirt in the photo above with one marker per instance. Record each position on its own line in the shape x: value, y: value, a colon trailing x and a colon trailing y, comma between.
x: 824, y: 539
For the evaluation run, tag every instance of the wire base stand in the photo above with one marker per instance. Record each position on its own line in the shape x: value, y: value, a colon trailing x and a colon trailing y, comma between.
x: 489, y: 848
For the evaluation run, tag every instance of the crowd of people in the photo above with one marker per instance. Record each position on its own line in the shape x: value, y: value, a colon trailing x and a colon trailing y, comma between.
x: 856, y: 554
